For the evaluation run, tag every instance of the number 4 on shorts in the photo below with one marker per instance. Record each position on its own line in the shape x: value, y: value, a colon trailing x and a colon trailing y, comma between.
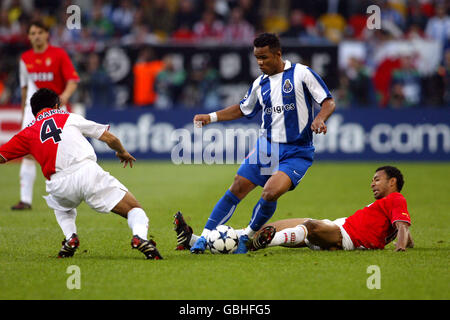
x: 49, y: 130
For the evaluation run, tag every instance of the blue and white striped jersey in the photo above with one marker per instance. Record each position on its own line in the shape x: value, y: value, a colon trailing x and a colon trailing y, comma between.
x: 286, y: 101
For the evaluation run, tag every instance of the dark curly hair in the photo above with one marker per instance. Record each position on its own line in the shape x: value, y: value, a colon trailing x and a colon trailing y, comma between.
x: 43, y: 98
x: 393, y: 172
x: 267, y: 39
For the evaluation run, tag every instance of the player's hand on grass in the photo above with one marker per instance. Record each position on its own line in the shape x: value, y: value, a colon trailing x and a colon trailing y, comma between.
x: 125, y: 158
x: 204, y: 119
x: 399, y: 248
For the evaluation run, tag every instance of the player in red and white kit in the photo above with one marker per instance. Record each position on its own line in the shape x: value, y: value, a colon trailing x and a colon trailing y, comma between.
x: 372, y: 227
x: 56, y: 139
x: 43, y: 66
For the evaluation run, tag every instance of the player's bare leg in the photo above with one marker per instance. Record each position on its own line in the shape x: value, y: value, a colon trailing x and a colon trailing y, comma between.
x: 130, y: 209
x: 125, y: 205
x: 278, y: 184
x: 241, y: 186
x: 285, y: 223
x: 324, y: 234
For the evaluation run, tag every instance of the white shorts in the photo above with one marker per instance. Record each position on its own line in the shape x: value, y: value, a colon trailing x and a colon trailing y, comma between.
x: 86, y: 182
x: 347, y: 243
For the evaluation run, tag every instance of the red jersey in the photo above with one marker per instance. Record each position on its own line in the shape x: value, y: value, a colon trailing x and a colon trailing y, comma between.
x: 373, y: 226
x: 50, y: 69
x: 56, y: 139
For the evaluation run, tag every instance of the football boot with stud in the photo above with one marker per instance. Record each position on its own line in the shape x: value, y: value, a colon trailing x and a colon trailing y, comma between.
x: 199, y: 245
x: 21, y: 206
x: 262, y: 239
x: 183, y: 230
x: 69, y: 246
x: 147, y: 247
x: 242, y: 246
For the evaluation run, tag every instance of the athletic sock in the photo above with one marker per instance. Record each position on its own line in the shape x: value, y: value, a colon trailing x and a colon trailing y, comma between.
x: 262, y: 213
x: 290, y: 236
x: 239, y: 232
x: 66, y: 220
x: 27, y: 177
x: 193, y: 239
x: 222, y: 212
x: 138, y: 222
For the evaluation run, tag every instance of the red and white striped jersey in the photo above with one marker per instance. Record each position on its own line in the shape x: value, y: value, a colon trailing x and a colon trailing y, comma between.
x: 56, y: 139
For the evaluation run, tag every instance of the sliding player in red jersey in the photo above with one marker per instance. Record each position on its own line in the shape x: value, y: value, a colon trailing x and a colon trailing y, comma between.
x: 372, y: 227
x: 43, y: 66
x: 56, y: 139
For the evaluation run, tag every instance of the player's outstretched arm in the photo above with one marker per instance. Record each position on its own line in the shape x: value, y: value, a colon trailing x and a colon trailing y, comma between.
x: 318, y: 125
x: 404, y: 239
x: 114, y: 143
x: 229, y: 113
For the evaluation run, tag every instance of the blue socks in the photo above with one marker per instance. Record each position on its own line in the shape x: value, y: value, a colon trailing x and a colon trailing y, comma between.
x: 223, y: 210
x: 226, y: 206
x: 262, y: 213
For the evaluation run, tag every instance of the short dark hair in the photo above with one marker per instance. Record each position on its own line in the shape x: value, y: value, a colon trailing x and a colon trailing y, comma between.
x: 267, y: 39
x: 393, y: 172
x: 39, y: 24
x: 43, y: 98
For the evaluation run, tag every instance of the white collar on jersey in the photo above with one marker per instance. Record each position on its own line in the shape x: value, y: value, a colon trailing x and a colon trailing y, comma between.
x: 287, y: 65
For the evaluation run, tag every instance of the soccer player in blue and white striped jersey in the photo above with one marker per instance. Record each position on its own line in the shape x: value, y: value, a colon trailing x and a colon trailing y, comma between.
x: 284, y: 94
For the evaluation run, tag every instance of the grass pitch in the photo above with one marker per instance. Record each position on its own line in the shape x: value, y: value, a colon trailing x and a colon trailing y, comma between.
x: 109, y: 269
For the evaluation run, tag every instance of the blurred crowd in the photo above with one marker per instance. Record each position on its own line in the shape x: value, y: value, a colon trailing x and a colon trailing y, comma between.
x: 394, y: 81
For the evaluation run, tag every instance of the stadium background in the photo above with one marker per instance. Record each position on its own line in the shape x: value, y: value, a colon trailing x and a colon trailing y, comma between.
x: 392, y: 91
x: 163, y: 61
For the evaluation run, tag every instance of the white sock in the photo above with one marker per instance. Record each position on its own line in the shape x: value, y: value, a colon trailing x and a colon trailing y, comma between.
x: 66, y: 220
x: 138, y: 222
x: 205, y: 233
x: 290, y: 236
x: 27, y: 177
x: 239, y: 232
x: 249, y: 232
x: 193, y: 239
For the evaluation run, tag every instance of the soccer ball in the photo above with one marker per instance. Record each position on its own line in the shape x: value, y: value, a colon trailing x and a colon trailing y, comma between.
x: 223, y: 239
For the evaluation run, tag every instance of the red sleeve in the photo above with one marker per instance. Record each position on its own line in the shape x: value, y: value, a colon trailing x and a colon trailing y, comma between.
x: 399, y: 210
x: 15, y: 148
x: 68, y: 70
